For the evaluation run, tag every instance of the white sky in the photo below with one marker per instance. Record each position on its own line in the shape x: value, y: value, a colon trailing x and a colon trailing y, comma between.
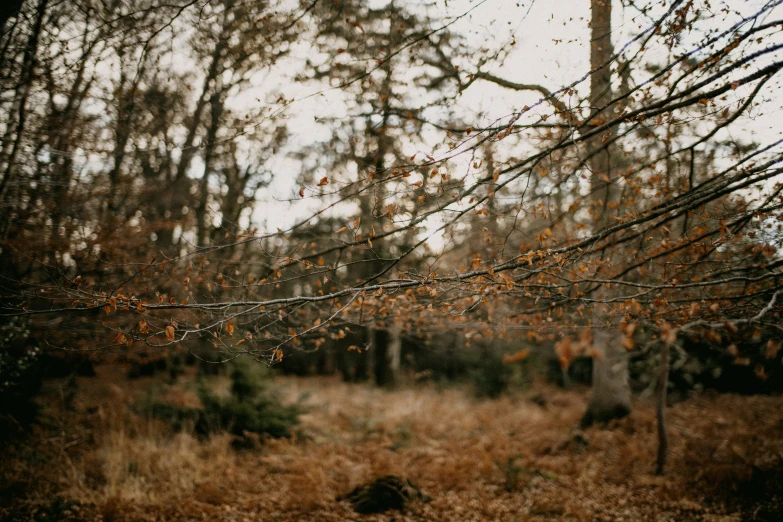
x: 552, y: 49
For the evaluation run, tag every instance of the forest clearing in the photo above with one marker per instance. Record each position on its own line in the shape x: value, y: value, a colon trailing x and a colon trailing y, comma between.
x: 448, y: 260
x: 519, y: 457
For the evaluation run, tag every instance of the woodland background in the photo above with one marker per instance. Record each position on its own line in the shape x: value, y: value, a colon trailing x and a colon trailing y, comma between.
x: 320, y: 258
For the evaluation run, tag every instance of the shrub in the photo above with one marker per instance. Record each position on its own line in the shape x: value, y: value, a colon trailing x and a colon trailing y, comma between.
x: 492, y: 376
x: 250, y: 409
x: 21, y: 376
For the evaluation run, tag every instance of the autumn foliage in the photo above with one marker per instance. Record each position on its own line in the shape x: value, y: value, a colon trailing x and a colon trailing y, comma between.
x: 395, y: 191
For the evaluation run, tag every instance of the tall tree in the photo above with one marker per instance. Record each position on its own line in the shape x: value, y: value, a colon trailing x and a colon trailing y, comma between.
x: 611, y: 392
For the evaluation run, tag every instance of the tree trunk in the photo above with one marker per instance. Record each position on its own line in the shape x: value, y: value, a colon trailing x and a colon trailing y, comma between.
x: 22, y: 95
x: 663, y: 438
x: 381, y: 356
x: 371, y: 266
x: 395, y: 353
x: 600, y: 95
x: 387, y: 356
x: 203, y: 221
x: 611, y: 392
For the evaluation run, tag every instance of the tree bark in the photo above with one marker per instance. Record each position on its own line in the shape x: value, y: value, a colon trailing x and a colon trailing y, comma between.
x: 202, y: 218
x: 20, y: 103
x: 600, y: 95
x: 387, y: 356
x: 395, y: 353
x: 611, y: 392
x: 663, y: 438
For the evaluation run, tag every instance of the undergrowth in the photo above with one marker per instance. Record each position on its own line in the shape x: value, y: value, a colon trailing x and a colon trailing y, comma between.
x: 251, y: 409
x: 511, y: 458
x: 21, y: 374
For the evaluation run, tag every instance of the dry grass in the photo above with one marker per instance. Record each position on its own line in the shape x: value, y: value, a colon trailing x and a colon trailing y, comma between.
x: 507, y: 459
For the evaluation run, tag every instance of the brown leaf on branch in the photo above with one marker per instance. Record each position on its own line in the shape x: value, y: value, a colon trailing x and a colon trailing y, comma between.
x: 773, y: 347
x: 519, y: 356
x: 668, y: 333
x: 628, y: 328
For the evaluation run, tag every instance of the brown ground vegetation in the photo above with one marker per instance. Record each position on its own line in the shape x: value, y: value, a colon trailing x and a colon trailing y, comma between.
x: 515, y: 458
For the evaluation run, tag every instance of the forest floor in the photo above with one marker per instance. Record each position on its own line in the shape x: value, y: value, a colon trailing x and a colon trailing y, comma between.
x: 515, y: 458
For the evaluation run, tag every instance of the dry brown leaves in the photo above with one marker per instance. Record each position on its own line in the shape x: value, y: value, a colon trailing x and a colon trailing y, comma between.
x: 505, y: 459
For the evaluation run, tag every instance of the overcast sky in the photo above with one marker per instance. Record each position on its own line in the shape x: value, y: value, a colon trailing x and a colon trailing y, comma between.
x: 551, y: 48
